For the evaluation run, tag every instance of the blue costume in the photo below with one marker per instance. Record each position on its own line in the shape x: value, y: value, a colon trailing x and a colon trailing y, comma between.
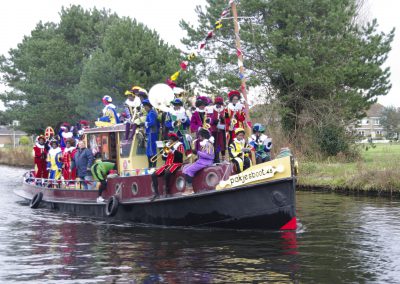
x: 261, y: 144
x: 152, y: 127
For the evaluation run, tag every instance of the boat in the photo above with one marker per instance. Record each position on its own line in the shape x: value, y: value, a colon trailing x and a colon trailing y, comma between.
x: 261, y: 197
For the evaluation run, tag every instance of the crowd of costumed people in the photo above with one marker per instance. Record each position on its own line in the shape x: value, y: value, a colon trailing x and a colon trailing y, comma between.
x: 211, y: 128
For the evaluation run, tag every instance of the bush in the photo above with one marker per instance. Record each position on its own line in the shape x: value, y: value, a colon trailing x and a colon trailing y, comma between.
x: 24, y: 140
x: 332, y: 139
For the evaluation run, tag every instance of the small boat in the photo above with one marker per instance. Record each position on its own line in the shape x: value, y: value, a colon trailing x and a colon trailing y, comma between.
x: 261, y: 197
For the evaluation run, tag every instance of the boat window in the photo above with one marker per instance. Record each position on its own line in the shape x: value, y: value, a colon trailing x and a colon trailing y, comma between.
x: 113, y: 147
x: 125, y: 149
x: 105, y: 153
x: 94, y: 143
x: 105, y: 143
x: 141, y: 144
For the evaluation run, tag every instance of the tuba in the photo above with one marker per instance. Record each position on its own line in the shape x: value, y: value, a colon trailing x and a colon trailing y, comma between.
x: 160, y: 97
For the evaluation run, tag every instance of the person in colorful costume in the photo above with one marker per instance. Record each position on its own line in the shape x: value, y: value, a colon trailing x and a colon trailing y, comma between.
x: 64, y: 134
x: 173, y: 161
x: 68, y: 155
x: 134, y: 117
x: 261, y: 143
x: 100, y: 172
x: 54, y: 161
x: 205, y: 152
x: 152, y: 127
x: 239, y: 151
x: 110, y: 116
x: 199, y: 116
x: 234, y: 115
x: 178, y: 122
x: 217, y: 122
x: 40, y: 157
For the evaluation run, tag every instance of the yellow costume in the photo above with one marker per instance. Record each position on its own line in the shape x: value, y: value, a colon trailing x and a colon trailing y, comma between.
x: 239, y: 152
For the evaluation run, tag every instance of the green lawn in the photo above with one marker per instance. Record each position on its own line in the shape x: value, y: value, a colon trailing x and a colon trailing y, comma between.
x: 377, y: 170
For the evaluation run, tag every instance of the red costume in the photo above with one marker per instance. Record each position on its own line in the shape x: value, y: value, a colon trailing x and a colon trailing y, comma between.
x: 218, y: 127
x: 68, y: 155
x: 234, y: 111
x: 173, y: 160
x: 40, y: 159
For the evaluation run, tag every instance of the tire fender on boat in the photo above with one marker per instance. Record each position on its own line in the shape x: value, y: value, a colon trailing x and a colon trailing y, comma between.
x: 112, y: 206
x: 36, y: 199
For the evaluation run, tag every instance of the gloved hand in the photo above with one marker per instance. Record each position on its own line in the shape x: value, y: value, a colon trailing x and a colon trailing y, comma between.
x: 146, y: 124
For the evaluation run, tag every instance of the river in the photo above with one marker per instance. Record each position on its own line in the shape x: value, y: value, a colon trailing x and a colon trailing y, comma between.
x: 341, y: 239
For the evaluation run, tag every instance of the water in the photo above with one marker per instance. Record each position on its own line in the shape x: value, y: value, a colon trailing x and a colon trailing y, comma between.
x: 341, y: 239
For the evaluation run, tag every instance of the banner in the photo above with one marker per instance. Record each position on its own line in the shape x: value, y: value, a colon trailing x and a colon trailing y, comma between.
x: 250, y: 175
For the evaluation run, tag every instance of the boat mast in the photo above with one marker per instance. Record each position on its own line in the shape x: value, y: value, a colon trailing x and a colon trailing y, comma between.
x: 240, y: 60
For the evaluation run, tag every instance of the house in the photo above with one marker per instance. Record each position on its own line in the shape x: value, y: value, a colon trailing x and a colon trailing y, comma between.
x: 9, y: 136
x: 370, y: 126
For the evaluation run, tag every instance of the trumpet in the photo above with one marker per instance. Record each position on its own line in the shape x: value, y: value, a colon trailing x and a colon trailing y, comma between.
x: 164, y: 151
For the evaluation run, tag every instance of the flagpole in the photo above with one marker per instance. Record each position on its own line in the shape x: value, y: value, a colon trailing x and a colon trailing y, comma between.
x: 239, y: 52
x: 240, y: 59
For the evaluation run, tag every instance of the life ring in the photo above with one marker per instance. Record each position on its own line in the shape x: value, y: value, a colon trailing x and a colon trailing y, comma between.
x: 36, y: 199
x: 112, y: 206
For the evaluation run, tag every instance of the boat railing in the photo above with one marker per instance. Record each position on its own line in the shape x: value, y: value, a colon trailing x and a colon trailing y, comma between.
x: 58, y: 183
x: 138, y: 172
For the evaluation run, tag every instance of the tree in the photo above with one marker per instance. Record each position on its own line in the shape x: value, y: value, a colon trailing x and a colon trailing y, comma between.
x: 60, y: 72
x: 390, y: 121
x: 313, y: 56
x: 44, y: 69
x: 130, y: 53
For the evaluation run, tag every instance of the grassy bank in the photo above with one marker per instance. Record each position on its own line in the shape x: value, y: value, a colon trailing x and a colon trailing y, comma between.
x: 376, y: 172
x: 20, y: 156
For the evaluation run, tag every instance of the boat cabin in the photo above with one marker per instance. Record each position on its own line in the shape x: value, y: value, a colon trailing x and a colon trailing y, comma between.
x: 130, y: 156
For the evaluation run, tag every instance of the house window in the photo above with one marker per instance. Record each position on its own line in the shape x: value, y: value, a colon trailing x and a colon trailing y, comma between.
x: 376, y: 122
x: 378, y: 132
x: 361, y: 133
x: 365, y: 121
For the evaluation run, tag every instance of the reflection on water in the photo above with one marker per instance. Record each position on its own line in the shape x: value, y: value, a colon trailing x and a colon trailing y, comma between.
x: 341, y: 239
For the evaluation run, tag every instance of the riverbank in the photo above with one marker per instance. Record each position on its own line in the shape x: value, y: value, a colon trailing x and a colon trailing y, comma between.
x: 18, y: 157
x: 377, y: 172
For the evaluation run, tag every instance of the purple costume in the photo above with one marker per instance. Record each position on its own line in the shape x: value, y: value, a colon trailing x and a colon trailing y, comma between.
x: 206, y: 157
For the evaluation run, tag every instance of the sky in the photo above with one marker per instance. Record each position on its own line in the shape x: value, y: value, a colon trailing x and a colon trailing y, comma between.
x: 19, y: 17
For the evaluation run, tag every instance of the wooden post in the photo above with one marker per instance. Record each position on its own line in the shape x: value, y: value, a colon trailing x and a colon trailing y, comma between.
x: 243, y: 78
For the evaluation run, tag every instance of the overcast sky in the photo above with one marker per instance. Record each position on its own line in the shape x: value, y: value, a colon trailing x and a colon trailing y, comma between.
x: 18, y: 18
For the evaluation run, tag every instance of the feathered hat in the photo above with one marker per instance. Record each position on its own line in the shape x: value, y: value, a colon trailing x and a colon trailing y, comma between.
x: 234, y: 93
x: 219, y: 100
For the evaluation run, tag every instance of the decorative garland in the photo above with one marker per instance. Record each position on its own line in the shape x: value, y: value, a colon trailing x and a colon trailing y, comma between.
x: 217, y: 25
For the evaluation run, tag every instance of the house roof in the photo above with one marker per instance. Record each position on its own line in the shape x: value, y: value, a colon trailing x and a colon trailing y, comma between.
x: 375, y: 110
x: 5, y: 130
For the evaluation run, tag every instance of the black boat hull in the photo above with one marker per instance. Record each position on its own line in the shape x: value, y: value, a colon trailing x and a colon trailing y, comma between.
x: 266, y: 206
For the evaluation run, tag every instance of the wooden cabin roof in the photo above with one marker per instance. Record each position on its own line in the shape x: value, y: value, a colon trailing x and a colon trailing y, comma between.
x: 114, y: 128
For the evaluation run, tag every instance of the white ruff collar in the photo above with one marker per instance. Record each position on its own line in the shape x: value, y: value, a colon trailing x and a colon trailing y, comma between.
x: 236, y: 107
x: 39, y: 146
x: 70, y: 149
x: 240, y: 142
x: 55, y: 151
x: 218, y: 109
x: 200, y: 110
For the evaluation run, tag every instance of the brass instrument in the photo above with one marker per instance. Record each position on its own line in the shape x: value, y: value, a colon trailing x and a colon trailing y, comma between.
x: 233, y: 120
x: 165, y: 150
x: 206, y: 122
x: 193, y: 146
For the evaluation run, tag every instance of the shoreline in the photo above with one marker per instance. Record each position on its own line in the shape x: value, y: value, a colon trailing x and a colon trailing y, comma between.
x: 375, y: 174
x: 350, y: 192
